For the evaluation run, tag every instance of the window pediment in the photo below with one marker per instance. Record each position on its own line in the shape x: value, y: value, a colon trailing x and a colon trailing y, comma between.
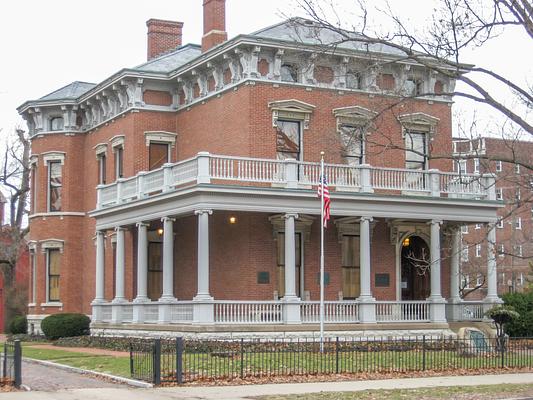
x: 51, y: 156
x: 117, y: 141
x: 52, y: 244
x: 291, y: 109
x: 419, y: 121
x: 350, y: 226
x: 160, y: 137
x: 354, y: 115
x: 100, y: 149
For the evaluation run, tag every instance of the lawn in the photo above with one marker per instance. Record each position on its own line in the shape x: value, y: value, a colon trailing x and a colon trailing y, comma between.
x: 107, y: 364
x: 485, y: 392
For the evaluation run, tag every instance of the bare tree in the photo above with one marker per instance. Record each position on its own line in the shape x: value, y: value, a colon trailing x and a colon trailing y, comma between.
x: 15, y: 182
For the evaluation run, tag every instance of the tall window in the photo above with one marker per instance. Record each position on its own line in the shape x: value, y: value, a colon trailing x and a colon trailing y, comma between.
x: 518, y: 223
x: 498, y: 166
x: 289, y: 73
x: 499, y: 194
x: 476, y: 165
x: 478, y: 250
x: 464, y: 253
x: 56, y: 124
x: 281, y: 263
x: 288, y: 140
x: 155, y: 270
x: 55, y: 186
x: 53, y: 258
x: 461, y: 166
x: 33, y: 282
x: 353, y: 80
x: 102, y: 168
x: 119, y: 162
x: 352, y: 141
x: 415, y: 146
x: 350, y: 267
x: 158, y: 154
x: 33, y: 188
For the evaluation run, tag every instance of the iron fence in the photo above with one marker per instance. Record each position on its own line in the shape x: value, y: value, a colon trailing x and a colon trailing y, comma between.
x: 12, y: 363
x: 180, y: 361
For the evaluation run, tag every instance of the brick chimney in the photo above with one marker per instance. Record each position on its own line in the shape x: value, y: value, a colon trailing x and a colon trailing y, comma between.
x: 214, y: 23
x: 163, y: 36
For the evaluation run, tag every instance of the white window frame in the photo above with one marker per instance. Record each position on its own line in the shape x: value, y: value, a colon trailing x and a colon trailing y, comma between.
x: 499, y: 193
x: 462, y: 167
x: 499, y: 166
x: 518, y: 223
x: 517, y: 168
x: 476, y: 165
x: 499, y: 223
x: 464, y: 254
x: 478, y: 250
x: 518, y: 250
x: 48, y: 184
x: 32, y: 247
x: 46, y: 245
x: 478, y: 226
x: 464, y: 229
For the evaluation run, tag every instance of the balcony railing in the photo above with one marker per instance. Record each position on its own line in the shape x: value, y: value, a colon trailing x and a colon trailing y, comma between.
x: 206, y: 168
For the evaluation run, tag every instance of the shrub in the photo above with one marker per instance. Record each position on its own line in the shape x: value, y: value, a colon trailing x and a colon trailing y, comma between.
x: 65, y: 325
x: 18, y: 324
x: 523, y: 304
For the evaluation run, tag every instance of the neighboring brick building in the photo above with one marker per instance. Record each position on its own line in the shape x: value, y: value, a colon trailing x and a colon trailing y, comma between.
x: 224, y: 230
x: 506, y: 159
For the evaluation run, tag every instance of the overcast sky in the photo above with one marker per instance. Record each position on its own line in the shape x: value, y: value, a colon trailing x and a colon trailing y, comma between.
x: 48, y: 44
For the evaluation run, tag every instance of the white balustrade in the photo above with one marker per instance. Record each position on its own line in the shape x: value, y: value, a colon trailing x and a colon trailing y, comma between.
x: 185, y: 171
x: 151, y: 312
x: 181, y: 312
x: 106, y: 312
x: 462, y: 184
x: 129, y: 189
x: 247, y: 169
x: 334, y: 312
x: 248, y: 312
x: 127, y: 313
x: 290, y: 173
x: 402, y: 311
x: 467, y: 311
x: 399, y: 179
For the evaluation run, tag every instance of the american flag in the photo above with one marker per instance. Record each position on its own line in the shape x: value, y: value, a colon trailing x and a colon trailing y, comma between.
x: 327, y: 199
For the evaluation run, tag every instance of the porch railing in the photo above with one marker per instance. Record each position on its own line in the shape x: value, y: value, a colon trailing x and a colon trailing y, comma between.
x: 206, y: 167
x: 402, y: 311
x: 248, y: 312
x: 334, y: 312
x: 466, y: 311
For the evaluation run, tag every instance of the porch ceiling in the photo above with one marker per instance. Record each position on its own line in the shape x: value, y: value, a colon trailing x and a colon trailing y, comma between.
x: 270, y: 200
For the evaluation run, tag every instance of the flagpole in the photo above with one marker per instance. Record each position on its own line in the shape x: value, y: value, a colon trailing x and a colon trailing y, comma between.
x: 322, y: 252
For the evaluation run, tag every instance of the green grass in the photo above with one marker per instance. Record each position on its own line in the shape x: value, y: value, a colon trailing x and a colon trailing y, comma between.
x: 455, y: 392
x: 108, y: 364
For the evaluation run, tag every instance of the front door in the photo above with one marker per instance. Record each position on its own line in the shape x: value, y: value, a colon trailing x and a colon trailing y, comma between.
x: 415, y: 264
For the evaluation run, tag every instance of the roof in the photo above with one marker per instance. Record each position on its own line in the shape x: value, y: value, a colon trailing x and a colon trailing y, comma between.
x: 308, y: 32
x: 71, y: 91
x: 172, y: 60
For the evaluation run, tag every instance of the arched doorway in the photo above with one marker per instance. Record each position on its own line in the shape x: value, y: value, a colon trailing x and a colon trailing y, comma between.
x: 415, y: 269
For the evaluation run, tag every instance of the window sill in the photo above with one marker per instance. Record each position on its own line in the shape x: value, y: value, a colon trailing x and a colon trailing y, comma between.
x: 32, y: 304
x: 57, y: 214
x: 52, y: 304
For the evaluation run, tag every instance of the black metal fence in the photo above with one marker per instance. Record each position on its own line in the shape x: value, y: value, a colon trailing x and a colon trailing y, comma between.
x: 180, y: 361
x: 12, y: 363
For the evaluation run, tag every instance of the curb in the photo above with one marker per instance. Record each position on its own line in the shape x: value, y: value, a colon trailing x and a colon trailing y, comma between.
x: 127, y: 381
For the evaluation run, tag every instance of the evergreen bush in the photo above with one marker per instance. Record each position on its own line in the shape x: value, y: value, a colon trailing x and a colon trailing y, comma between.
x: 65, y: 325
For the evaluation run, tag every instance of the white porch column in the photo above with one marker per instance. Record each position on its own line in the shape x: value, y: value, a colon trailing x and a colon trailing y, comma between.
x: 203, y: 310
x: 100, y: 268
x: 119, y: 299
x: 437, y: 306
x: 455, y: 299
x: 291, y: 308
x: 142, y: 272
x: 492, y: 272
x: 167, y: 296
x: 367, y: 308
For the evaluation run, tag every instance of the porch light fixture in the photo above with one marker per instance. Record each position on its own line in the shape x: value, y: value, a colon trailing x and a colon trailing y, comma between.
x: 160, y: 231
x: 232, y: 220
x: 406, y: 242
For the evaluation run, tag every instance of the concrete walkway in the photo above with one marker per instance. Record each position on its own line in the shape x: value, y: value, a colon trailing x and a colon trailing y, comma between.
x: 246, y: 391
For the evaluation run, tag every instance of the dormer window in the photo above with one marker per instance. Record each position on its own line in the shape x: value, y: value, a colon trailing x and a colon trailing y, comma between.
x: 56, y: 124
x: 413, y: 87
x: 353, y: 80
x: 289, y: 73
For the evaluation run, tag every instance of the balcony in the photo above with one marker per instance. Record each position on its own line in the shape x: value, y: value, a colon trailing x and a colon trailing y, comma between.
x: 207, y: 168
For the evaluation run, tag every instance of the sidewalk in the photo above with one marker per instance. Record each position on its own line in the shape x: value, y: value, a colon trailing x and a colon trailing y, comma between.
x: 246, y: 391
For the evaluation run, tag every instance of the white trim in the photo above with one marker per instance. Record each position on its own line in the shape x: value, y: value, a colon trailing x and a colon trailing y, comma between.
x: 160, y: 137
x: 60, y: 214
x: 51, y: 303
x: 51, y: 156
x: 419, y: 122
x: 291, y: 110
